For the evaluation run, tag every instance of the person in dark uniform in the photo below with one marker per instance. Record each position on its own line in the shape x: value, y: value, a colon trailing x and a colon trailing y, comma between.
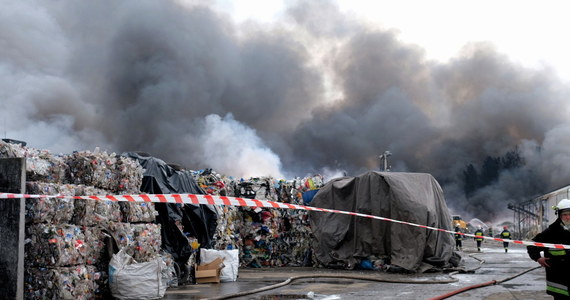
x: 506, y: 234
x: 555, y: 261
x: 458, y: 239
x: 479, y: 237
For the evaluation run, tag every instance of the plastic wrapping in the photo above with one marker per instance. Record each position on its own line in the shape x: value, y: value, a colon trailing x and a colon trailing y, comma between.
x: 76, y: 283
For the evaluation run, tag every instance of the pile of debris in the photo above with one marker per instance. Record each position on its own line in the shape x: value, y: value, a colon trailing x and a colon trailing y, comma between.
x: 266, y: 237
x: 65, y: 254
x: 70, y: 242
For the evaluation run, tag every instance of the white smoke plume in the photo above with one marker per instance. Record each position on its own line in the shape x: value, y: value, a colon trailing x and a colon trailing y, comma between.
x: 225, y: 144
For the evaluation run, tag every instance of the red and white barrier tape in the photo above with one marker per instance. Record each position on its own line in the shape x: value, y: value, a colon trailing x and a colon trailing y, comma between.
x: 234, y: 201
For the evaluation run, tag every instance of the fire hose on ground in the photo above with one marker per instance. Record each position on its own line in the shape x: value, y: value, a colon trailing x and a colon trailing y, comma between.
x: 475, y: 286
x: 480, y: 285
x: 339, y: 276
x: 369, y: 278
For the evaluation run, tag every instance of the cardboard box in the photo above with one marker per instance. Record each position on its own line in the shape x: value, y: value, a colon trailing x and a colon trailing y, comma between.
x: 210, y: 272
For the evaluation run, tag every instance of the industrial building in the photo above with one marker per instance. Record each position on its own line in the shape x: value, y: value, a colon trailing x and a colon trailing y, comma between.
x: 534, y: 215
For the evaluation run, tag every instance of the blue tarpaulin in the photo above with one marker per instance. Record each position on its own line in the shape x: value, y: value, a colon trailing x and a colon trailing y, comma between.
x: 308, y: 196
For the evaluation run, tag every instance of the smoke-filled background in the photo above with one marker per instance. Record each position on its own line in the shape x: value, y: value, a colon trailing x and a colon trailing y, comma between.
x: 317, y: 92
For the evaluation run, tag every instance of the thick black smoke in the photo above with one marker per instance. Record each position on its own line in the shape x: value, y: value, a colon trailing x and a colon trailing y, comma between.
x: 317, y: 92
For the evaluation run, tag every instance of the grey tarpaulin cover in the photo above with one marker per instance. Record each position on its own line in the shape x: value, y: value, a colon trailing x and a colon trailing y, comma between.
x: 411, y: 197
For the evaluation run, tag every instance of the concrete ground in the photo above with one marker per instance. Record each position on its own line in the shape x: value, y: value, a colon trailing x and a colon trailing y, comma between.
x: 491, y: 264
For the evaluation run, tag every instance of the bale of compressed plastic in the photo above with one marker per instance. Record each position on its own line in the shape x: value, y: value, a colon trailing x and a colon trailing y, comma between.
x: 77, y: 282
x: 47, y: 209
x: 227, y: 235
x: 138, y: 212
x: 41, y: 165
x: 142, y: 241
x: 94, y: 243
x: 55, y: 245
x: 56, y: 210
x: 67, y: 210
x: 45, y: 167
x: 266, y: 237
x: 95, y: 212
x: 111, y: 172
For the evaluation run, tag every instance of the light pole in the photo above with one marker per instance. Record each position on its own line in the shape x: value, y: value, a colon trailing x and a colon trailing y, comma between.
x: 384, y: 159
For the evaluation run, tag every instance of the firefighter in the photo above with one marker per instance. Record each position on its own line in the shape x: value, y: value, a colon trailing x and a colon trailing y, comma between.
x: 555, y: 261
x: 478, y: 237
x: 506, y: 234
x: 458, y: 239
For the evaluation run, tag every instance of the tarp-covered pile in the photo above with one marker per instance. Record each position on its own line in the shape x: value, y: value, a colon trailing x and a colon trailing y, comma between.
x: 349, y: 241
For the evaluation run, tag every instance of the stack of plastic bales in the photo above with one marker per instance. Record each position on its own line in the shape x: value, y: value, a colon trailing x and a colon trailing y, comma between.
x: 65, y: 255
x: 277, y: 237
x: 266, y: 237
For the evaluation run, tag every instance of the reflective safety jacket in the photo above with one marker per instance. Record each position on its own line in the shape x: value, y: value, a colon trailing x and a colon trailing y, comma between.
x: 557, y: 278
x: 458, y: 237
x: 506, y: 234
x: 478, y: 235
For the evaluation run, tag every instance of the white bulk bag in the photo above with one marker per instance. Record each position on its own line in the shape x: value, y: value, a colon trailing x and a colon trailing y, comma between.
x: 229, y: 272
x: 131, y: 280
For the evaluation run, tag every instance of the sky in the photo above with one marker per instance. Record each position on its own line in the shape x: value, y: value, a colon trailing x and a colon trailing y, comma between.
x: 475, y: 94
x: 530, y: 33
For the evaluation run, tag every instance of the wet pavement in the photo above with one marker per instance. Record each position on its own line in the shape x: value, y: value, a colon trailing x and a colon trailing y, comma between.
x: 491, y: 264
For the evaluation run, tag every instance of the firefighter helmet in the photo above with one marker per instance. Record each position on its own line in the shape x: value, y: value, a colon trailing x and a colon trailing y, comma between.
x: 564, y: 204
